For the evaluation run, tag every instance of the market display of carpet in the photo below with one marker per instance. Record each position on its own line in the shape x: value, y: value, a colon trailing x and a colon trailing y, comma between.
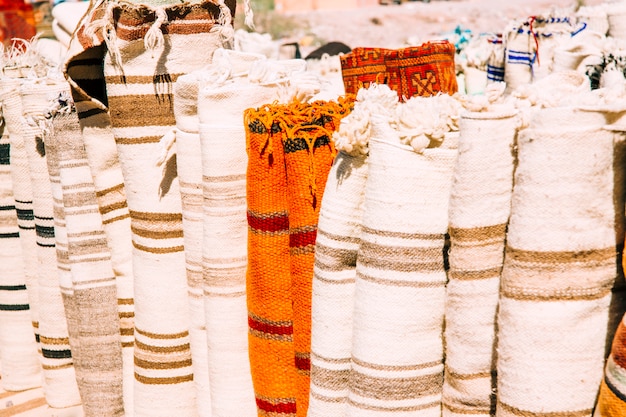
x: 220, y: 234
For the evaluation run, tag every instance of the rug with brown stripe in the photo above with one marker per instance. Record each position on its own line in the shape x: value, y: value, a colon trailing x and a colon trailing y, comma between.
x: 480, y: 202
x: 60, y: 380
x: 397, y: 350
x: 154, y: 46
x: 225, y: 227
x: 559, y: 268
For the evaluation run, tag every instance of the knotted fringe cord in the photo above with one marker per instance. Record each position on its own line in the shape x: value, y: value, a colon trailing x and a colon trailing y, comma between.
x: 249, y: 21
x: 153, y: 38
x: 225, y: 25
x: 105, y: 27
x: 166, y: 147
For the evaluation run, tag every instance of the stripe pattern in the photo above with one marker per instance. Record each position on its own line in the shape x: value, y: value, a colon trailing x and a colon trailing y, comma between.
x: 22, y: 194
x: 559, y: 264
x: 139, y: 91
x: 101, y: 151
x: 225, y: 249
x: 22, y: 370
x: 61, y: 386
x: 189, y: 165
x: 480, y: 202
x: 336, y: 247
x: 268, y: 277
x: 397, y: 351
x: 99, y: 369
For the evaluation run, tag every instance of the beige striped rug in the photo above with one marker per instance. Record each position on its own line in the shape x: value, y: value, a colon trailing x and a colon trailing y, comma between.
x: 22, y: 194
x: 397, y: 351
x: 560, y: 265
x: 84, y: 72
x: 336, y: 247
x: 189, y: 165
x: 21, y: 368
x: 224, y: 256
x: 94, y: 286
x: 140, y: 70
x: 480, y: 202
x: 60, y: 387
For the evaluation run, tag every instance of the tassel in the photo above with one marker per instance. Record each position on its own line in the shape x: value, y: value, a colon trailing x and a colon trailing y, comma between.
x: 249, y: 14
x: 154, y: 36
x: 165, y: 147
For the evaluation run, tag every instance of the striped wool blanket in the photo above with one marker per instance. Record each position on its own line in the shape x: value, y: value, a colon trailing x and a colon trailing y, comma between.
x: 560, y: 265
x: 142, y: 34
x: 17, y: 339
x: 480, y: 202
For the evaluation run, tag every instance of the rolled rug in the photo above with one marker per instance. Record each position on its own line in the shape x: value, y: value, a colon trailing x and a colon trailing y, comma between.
x: 268, y: 276
x: 66, y: 285
x: 140, y: 71
x: 560, y: 265
x: 61, y: 388
x: 362, y: 67
x: 612, y: 398
x: 189, y: 166
x: 423, y: 70
x: 225, y: 226
x: 84, y: 72
x: 336, y: 247
x: 21, y: 369
x: 397, y: 350
x: 519, y: 55
x: 480, y: 202
x: 22, y: 194
x: 309, y: 154
x: 94, y: 288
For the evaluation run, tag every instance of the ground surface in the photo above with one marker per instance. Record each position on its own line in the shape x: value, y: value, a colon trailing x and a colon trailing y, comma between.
x: 391, y: 25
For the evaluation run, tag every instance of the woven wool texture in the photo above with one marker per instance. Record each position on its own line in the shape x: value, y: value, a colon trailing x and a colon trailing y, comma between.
x: 85, y: 75
x: 397, y: 350
x: 268, y: 278
x: 21, y: 370
x: 93, y: 279
x: 189, y: 166
x: 22, y: 194
x: 60, y: 387
x: 139, y: 83
x: 413, y: 71
x: 336, y: 246
x: 560, y: 264
x: 225, y: 251
x: 480, y: 202
x: 612, y: 399
x: 289, y: 157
